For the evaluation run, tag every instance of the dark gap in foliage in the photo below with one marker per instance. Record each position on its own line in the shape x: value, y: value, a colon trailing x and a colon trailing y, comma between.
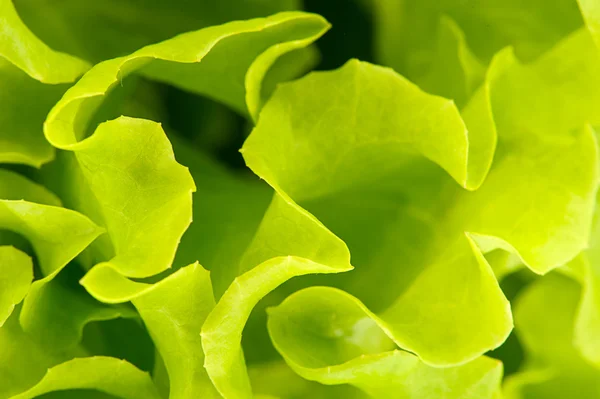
x: 514, y: 283
x: 133, y: 96
x: 120, y: 338
x: 16, y: 240
x: 24, y: 170
x: 511, y: 352
x: 256, y: 343
x: 208, y: 125
x: 351, y: 34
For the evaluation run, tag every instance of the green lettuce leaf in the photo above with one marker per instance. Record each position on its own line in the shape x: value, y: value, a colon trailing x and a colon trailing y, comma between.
x: 23, y: 362
x: 16, y: 274
x: 31, y: 55
x: 31, y: 74
x: 53, y: 314
x: 464, y: 177
x: 544, y: 320
x: 339, y: 179
x: 173, y: 310
x: 222, y: 229
x: 341, y: 342
x: 591, y: 15
x: 56, y: 234
x: 105, y: 374
x: 110, y: 29
x: 339, y: 155
x: 405, y: 31
x: 121, y: 192
x: 288, y: 243
x: 56, y: 314
x: 457, y: 73
x: 277, y: 380
x: 143, y: 196
x: 186, y: 60
x: 149, y: 198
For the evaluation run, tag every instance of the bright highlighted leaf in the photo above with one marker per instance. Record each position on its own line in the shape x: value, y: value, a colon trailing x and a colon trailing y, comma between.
x: 173, y: 310
x: 341, y: 342
x: 310, y: 248
x: 353, y: 162
x: 105, y: 374
x: 16, y: 274
x: 142, y: 195
x: 30, y: 72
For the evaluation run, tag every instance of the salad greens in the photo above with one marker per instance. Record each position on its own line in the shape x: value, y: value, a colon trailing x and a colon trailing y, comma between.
x: 188, y: 211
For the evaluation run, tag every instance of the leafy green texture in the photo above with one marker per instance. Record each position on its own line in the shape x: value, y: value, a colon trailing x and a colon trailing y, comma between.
x: 22, y: 361
x: 461, y: 176
x: 29, y: 74
x: 142, y: 193
x: 277, y: 380
x: 174, y: 310
x: 112, y: 28
x: 56, y: 314
x: 341, y: 174
x: 116, y: 187
x: 222, y: 229
x: 16, y: 274
x: 405, y: 31
x: 56, y: 234
x: 150, y: 197
x: 544, y: 318
x: 457, y: 72
x: 193, y: 61
x: 53, y: 314
x: 590, y: 11
x: 341, y: 341
x: 105, y: 374
x: 25, y: 51
x: 323, y: 155
x: 289, y: 242
x: 584, y: 270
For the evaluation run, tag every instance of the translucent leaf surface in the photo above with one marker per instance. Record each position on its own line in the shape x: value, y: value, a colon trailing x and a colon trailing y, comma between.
x: 310, y: 249
x: 29, y: 74
x: 173, y: 310
x: 344, y: 157
x: 105, y: 374
x: 16, y: 274
x: 341, y: 342
x: 137, y: 189
x: 110, y: 29
x: 545, y: 319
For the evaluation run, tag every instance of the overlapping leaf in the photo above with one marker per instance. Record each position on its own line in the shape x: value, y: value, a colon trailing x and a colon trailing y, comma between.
x: 105, y: 374
x: 32, y: 78
x: 545, y: 320
x: 277, y: 380
x: 173, y: 310
x: 437, y: 202
x: 411, y: 246
x: 135, y: 187
x: 351, y: 178
x: 23, y: 362
x: 341, y: 342
x: 16, y: 274
x: 56, y: 234
x: 405, y: 31
x: 109, y: 29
